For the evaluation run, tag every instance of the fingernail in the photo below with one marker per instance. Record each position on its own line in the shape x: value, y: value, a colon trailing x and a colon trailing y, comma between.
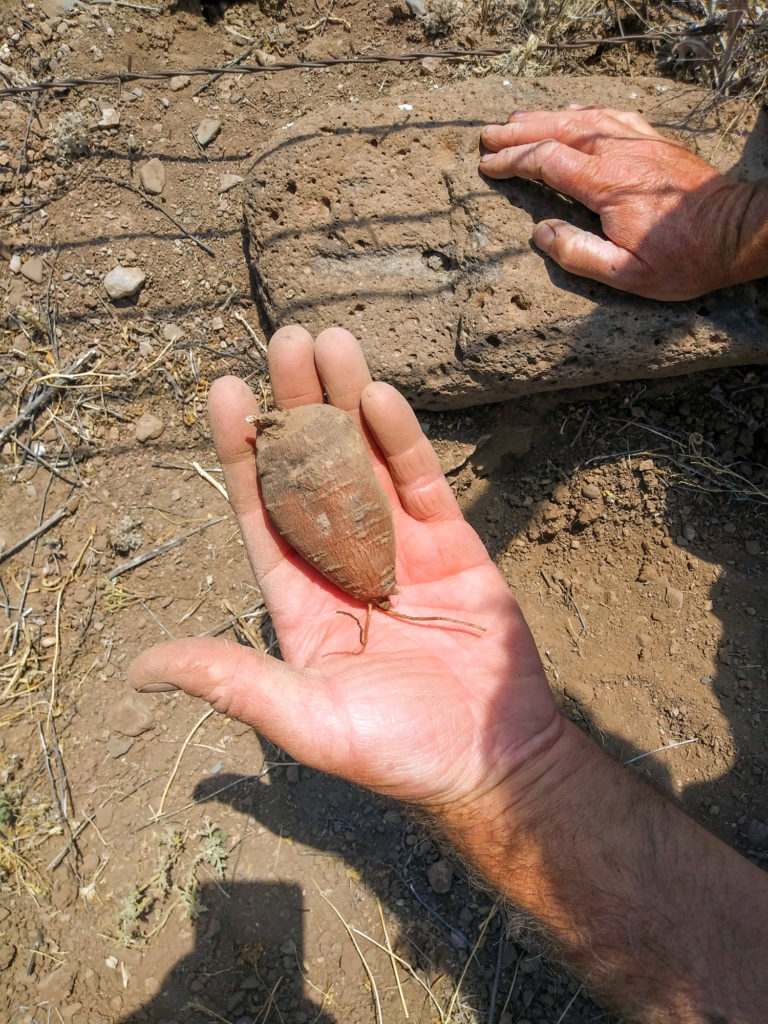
x: 543, y: 237
x: 486, y: 156
x: 519, y: 113
x: 156, y: 688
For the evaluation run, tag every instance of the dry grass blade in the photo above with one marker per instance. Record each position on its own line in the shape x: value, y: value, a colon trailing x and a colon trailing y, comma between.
x: 469, y: 959
x: 392, y: 959
x: 175, y: 769
x: 368, y: 971
x: 214, y: 483
x: 409, y: 969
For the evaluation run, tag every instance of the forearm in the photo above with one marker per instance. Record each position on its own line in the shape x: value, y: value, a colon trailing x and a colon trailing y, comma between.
x: 663, y: 921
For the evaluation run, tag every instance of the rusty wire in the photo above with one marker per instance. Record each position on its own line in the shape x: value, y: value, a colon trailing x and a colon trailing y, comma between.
x: 124, y: 77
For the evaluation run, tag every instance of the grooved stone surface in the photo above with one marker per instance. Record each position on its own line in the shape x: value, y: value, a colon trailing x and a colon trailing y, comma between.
x: 375, y: 218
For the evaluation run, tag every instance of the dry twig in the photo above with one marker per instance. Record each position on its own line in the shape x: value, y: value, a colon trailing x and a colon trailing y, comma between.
x: 161, y: 549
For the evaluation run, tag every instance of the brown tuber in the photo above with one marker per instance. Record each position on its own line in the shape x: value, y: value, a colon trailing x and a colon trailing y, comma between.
x: 322, y: 495
x: 320, y: 491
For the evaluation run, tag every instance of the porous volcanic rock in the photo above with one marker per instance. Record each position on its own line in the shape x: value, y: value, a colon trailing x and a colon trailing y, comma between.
x: 374, y: 216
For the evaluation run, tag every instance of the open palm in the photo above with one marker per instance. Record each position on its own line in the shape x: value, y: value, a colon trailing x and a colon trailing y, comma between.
x: 429, y: 712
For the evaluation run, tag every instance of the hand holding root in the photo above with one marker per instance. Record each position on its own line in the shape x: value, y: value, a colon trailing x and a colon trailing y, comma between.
x: 674, y: 227
x: 420, y: 698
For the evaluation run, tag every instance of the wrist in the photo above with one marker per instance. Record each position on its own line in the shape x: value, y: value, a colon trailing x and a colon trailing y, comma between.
x: 752, y: 261
x: 741, y: 211
x: 647, y: 907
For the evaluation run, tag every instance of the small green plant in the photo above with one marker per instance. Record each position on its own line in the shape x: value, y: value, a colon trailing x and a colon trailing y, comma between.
x: 70, y: 137
x: 192, y: 906
x: 8, y: 809
x: 213, y: 848
x: 132, y: 910
x: 443, y: 17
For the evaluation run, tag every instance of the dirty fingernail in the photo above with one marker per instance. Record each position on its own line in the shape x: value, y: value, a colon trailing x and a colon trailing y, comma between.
x: 156, y: 688
x: 544, y: 236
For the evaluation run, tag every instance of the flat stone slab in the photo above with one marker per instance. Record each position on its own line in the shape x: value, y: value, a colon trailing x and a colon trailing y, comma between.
x: 373, y: 216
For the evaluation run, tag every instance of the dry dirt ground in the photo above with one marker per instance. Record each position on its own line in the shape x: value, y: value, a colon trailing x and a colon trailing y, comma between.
x: 157, y: 862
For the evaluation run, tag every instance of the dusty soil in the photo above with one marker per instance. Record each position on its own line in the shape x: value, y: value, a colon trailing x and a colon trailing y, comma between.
x: 159, y: 863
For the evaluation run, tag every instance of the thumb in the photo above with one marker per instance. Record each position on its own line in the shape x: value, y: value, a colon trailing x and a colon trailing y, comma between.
x: 239, y: 682
x: 583, y: 253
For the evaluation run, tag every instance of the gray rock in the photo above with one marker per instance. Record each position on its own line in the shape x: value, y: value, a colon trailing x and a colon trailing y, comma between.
x: 207, y: 131
x: 34, y: 270
x: 110, y: 118
x: 179, y: 82
x: 172, y: 332
x: 229, y: 181
x: 757, y: 833
x: 390, y: 230
x: 147, y: 427
x: 131, y: 716
x: 440, y: 875
x: 122, y: 282
x: 117, y: 746
x: 152, y: 175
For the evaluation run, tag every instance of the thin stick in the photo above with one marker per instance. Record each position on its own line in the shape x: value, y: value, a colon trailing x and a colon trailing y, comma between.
x: 392, y: 958
x: 161, y: 549
x: 368, y: 971
x: 496, y: 976
x: 214, y: 483
x: 221, y: 626
x: 156, y: 206
x: 233, y: 63
x: 184, y: 746
x: 194, y: 803
x: 456, y: 991
x: 511, y: 990
x: 65, y: 849
x: 241, y: 320
x: 36, y: 403
x: 43, y: 528
x: 119, y: 3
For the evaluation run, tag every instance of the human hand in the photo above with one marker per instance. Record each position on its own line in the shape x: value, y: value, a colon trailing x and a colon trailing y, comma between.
x: 675, y: 228
x: 432, y: 713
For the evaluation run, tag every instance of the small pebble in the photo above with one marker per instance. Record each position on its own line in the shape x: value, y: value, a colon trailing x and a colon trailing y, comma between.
x: 440, y: 875
x: 175, y: 494
x: 152, y: 175
x: 590, y: 491
x: 179, y: 82
x: 172, y: 332
x: 122, y: 282
x: 207, y: 131
x: 110, y: 118
x: 131, y: 716
x: 675, y: 598
x: 34, y: 270
x: 229, y: 181
x: 752, y: 547
x: 147, y: 427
